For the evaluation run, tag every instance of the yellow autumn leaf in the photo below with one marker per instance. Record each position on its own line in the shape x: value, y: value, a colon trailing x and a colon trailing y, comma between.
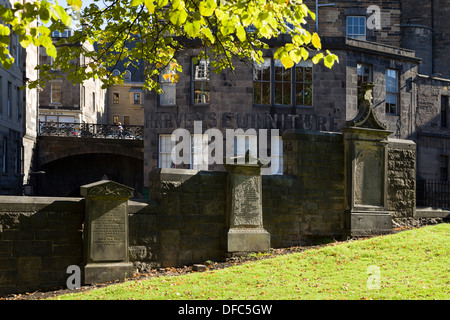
x: 316, y: 41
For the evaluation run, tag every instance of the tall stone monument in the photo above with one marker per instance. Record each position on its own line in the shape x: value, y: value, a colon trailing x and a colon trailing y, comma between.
x: 365, y: 140
x: 244, y: 206
x: 106, y: 232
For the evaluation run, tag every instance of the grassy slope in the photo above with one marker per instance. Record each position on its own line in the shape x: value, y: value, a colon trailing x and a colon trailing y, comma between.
x: 413, y: 264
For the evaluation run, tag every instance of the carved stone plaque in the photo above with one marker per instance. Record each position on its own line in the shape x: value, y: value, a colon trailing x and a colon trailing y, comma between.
x: 368, y: 178
x: 108, y: 235
x: 247, y: 201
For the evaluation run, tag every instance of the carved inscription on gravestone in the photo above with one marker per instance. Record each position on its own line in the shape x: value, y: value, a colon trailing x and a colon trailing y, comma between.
x: 368, y: 178
x: 247, y: 201
x: 108, y: 235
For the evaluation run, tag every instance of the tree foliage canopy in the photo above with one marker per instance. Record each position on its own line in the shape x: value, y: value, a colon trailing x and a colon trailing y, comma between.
x: 159, y: 29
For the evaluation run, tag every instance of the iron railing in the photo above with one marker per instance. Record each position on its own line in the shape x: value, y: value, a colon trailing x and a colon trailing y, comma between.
x: 90, y: 130
x: 433, y: 193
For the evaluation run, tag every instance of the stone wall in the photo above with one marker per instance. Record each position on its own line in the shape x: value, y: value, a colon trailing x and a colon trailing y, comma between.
x: 185, y: 220
x: 39, y: 239
x: 401, y: 175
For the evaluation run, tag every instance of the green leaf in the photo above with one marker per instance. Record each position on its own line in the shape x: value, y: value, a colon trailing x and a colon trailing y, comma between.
x: 51, y: 51
x: 241, y: 34
x: 162, y: 3
x: 44, y: 30
x: 135, y: 3
x: 192, y: 29
x: 207, y: 32
x: 207, y: 7
x: 4, y: 30
x: 316, y: 59
x: 75, y: 4
x: 296, y: 55
x: 265, y: 31
x: 304, y: 53
x: 178, y: 17
x: 149, y: 5
x: 25, y: 41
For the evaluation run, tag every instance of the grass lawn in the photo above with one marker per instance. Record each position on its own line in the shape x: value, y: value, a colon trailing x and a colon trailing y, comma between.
x: 413, y: 264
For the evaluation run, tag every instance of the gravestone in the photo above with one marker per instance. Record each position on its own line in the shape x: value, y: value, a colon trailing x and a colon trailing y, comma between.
x: 365, y: 140
x: 244, y: 206
x: 106, y: 232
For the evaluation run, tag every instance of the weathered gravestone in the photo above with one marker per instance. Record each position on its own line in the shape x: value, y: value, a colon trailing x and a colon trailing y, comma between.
x: 106, y: 232
x: 365, y: 139
x: 244, y: 206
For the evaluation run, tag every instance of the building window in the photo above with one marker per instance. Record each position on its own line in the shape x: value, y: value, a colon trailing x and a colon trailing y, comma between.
x: 356, y: 27
x: 200, y: 82
x: 168, y: 96
x: 289, y: 86
x: 19, y: 113
x: 65, y: 34
x: 115, y: 97
x: 9, y: 99
x: 115, y: 119
x: 126, y: 120
x: 83, y: 96
x: 392, y: 99
x: 55, y: 92
x: 444, y: 108
x: 444, y: 168
x: 364, y: 74
x: 165, y: 151
x: 282, y: 84
x: 18, y: 163
x: 5, y: 155
x: 261, y: 82
x: 137, y: 98
x: 93, y: 102
x: 303, y: 84
x: 116, y: 72
x: 127, y: 76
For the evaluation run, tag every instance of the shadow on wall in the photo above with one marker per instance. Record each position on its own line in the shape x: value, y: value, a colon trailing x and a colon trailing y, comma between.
x: 65, y: 176
x: 44, y: 238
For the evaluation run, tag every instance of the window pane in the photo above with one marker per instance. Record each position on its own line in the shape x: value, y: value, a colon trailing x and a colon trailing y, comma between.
x: 168, y: 97
x: 308, y: 95
x: 266, y: 93
x: 201, y: 82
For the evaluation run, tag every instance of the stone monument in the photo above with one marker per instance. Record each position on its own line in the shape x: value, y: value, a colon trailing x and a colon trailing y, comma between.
x: 244, y: 206
x: 106, y: 232
x: 365, y: 140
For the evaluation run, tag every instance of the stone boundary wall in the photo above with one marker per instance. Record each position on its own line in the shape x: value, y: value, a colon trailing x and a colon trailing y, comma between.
x: 401, y: 175
x: 39, y: 239
x: 185, y: 219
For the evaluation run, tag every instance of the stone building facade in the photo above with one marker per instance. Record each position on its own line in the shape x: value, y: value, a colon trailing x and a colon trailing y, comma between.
x: 380, y: 44
x: 18, y: 116
x: 125, y: 102
x: 63, y: 101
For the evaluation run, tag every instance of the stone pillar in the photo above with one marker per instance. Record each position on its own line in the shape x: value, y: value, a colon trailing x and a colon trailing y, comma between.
x: 106, y: 232
x: 365, y: 143
x: 244, y: 207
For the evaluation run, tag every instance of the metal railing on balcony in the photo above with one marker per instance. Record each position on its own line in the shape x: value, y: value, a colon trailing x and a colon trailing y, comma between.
x: 90, y: 130
x: 432, y: 193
